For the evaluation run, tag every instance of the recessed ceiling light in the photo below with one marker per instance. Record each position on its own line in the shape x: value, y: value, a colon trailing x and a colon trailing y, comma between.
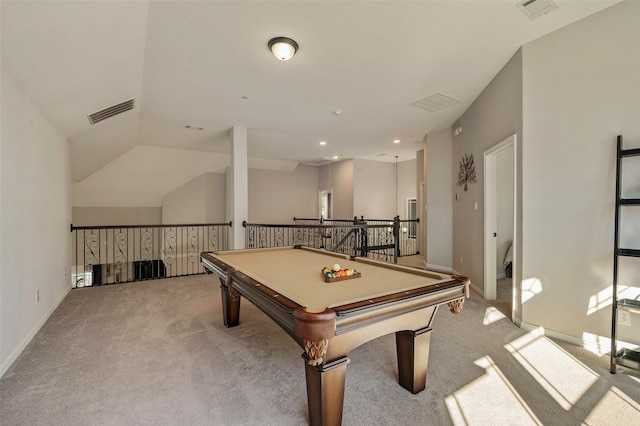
x: 335, y: 157
x: 244, y: 97
x: 396, y: 141
x: 323, y: 143
x: 187, y: 126
x: 337, y: 112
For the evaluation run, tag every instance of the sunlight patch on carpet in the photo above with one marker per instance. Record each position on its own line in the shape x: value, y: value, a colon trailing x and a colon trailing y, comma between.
x: 564, y: 377
x: 614, y: 401
x: 492, y: 315
x: 469, y: 404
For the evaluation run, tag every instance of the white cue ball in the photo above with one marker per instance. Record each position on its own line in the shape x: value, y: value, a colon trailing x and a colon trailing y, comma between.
x: 336, y: 267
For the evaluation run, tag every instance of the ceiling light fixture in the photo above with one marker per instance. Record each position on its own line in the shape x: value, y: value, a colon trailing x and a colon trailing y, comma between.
x: 396, y: 141
x: 283, y: 48
x: 323, y: 143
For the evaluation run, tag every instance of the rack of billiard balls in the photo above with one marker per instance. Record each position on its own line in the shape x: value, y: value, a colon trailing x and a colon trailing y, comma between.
x: 336, y: 273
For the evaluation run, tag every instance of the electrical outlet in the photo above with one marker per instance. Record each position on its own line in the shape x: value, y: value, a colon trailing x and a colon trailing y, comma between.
x: 37, y: 296
x: 460, y: 259
x: 624, y: 318
x: 65, y: 271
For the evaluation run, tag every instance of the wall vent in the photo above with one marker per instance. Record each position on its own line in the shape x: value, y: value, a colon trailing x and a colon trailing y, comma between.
x: 111, y: 111
x: 537, y: 8
x: 435, y: 102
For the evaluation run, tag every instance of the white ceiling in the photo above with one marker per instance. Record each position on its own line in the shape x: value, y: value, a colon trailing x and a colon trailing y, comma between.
x: 191, y: 62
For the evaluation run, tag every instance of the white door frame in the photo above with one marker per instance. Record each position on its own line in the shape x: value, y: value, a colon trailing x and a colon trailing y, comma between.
x: 490, y: 214
x: 321, y: 194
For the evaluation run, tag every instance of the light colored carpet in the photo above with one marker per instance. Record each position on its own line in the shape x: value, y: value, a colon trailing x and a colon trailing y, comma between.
x: 156, y: 352
x: 504, y: 295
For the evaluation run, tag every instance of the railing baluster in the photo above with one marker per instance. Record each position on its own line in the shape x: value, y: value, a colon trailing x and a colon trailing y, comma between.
x: 117, y: 254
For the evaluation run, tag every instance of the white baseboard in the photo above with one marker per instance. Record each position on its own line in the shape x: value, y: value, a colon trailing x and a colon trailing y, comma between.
x: 27, y: 339
x: 554, y: 334
x: 438, y: 268
x: 476, y: 289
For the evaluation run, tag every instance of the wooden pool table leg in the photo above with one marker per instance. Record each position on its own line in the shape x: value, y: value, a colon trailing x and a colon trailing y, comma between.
x: 325, y: 391
x: 230, y: 304
x: 412, y: 348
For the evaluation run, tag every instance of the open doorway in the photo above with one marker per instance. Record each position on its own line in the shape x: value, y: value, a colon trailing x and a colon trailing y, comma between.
x: 326, y: 205
x: 412, y: 214
x: 499, y: 224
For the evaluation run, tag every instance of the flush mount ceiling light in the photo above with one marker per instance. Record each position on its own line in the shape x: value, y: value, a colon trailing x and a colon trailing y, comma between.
x: 283, y: 48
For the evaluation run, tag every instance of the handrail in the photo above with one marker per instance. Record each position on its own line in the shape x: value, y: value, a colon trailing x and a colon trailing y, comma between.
x: 417, y: 220
x: 74, y: 228
x: 301, y: 226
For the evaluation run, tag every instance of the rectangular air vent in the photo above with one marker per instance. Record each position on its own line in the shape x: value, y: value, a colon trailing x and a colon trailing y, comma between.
x: 111, y: 111
x: 435, y: 102
x: 537, y: 8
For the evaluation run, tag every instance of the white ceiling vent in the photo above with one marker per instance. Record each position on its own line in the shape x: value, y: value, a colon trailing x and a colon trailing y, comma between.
x: 537, y: 8
x: 435, y: 102
x: 111, y: 111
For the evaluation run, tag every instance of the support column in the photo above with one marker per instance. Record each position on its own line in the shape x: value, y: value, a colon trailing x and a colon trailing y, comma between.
x: 239, y: 186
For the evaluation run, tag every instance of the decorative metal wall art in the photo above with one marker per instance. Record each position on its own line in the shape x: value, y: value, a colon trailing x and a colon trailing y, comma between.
x: 467, y: 172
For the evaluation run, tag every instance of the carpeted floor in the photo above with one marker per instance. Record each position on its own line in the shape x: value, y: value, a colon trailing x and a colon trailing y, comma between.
x: 504, y: 295
x: 156, y: 352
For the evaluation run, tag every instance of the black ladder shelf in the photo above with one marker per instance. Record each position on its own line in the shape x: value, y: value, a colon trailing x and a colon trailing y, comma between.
x: 625, y: 357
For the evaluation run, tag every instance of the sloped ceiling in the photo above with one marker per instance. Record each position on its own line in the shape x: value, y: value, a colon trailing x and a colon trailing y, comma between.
x: 206, y: 63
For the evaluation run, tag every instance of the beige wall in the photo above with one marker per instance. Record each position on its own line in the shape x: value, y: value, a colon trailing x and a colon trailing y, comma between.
x: 107, y: 216
x: 374, y: 189
x: 339, y: 177
x: 421, y: 195
x: 406, y: 185
x: 35, y: 208
x: 278, y: 196
x: 200, y: 200
x: 439, y: 199
x: 581, y: 89
x: 214, y: 204
x: 494, y: 116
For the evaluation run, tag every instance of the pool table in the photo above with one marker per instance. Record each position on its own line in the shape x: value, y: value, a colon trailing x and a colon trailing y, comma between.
x: 328, y: 320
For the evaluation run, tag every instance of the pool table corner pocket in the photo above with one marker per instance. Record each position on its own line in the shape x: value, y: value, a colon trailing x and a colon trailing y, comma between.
x: 315, y: 329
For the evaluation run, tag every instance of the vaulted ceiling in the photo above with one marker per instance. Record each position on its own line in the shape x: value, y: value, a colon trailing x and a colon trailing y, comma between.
x: 206, y: 64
